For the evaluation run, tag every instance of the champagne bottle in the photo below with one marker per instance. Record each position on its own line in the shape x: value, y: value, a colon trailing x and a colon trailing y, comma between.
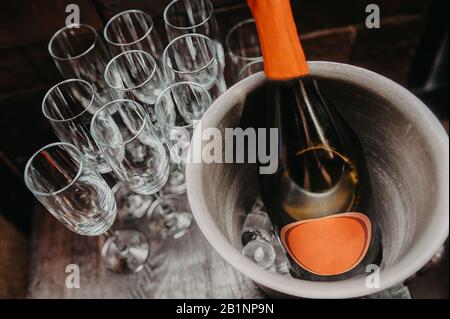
x: 319, y: 198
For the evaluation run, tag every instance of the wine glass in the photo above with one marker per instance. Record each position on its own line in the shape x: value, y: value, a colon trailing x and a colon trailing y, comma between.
x: 125, y: 134
x: 242, y: 44
x: 179, y: 109
x: 61, y: 178
x: 79, y: 52
x: 135, y: 75
x: 193, y: 16
x: 193, y: 58
x: 123, y: 131
x: 250, y: 69
x: 69, y: 107
x: 133, y: 30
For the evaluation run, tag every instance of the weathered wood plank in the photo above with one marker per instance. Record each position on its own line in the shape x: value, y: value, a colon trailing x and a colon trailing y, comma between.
x: 183, y: 268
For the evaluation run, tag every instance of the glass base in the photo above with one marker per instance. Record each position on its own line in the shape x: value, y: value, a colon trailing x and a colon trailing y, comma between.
x: 130, y: 205
x: 131, y: 257
x: 172, y: 219
x: 176, y: 183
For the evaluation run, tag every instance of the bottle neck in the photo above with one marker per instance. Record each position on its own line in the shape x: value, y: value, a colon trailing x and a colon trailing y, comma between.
x: 307, y: 121
x: 283, y: 54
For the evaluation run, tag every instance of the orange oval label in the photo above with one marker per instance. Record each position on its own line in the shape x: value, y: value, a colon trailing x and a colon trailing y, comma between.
x: 330, y: 245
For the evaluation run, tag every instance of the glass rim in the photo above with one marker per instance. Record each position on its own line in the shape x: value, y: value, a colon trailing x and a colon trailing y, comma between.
x: 67, y: 27
x: 135, y: 136
x: 49, y: 146
x: 158, y: 107
x: 248, y: 65
x: 44, y: 100
x: 211, y: 46
x: 113, y: 18
x: 114, y: 60
x: 167, y: 22
x: 228, y: 40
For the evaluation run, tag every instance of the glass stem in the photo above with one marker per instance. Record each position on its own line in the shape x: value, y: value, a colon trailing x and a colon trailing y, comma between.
x: 120, y: 245
x: 167, y: 209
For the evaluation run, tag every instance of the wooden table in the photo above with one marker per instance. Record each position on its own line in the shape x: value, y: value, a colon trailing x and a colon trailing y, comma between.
x: 182, y: 268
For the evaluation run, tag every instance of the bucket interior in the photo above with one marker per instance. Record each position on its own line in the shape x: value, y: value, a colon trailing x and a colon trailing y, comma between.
x: 401, y: 168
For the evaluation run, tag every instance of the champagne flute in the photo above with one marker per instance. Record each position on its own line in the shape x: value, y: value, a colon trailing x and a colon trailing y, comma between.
x: 193, y: 16
x: 61, y: 178
x: 250, y: 69
x: 179, y: 109
x: 124, y: 132
x: 133, y: 30
x: 243, y: 49
x: 79, y: 52
x: 69, y: 107
x: 135, y: 75
x: 193, y: 58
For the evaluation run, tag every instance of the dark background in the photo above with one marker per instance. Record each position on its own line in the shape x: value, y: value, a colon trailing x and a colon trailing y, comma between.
x: 411, y: 47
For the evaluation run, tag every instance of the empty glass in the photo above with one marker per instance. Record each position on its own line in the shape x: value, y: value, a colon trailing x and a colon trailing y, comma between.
x: 79, y: 52
x: 124, y: 133
x: 242, y: 43
x: 63, y: 181
x: 133, y: 30
x: 193, y: 16
x: 179, y: 109
x: 70, y: 106
x: 135, y: 75
x: 193, y: 58
x: 250, y: 69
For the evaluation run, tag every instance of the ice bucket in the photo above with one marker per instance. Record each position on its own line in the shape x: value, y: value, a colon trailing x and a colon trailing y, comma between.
x: 407, y: 153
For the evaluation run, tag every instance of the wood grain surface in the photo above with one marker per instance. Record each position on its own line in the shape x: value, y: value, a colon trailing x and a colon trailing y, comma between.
x: 182, y: 268
x: 185, y: 268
